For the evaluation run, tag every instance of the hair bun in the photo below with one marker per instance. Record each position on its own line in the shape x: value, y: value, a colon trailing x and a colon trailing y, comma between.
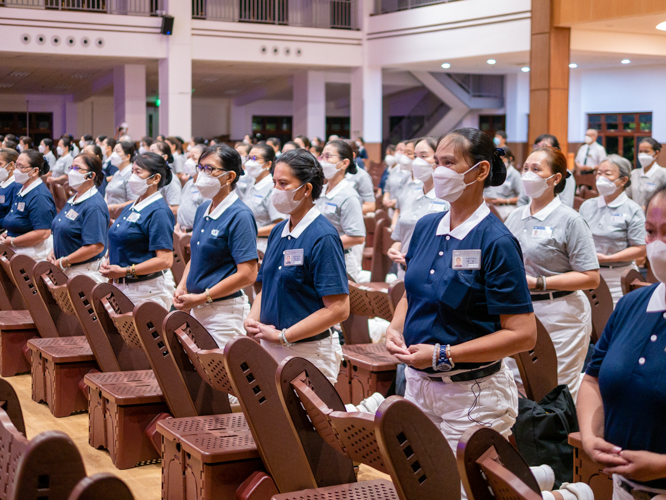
x: 498, y: 168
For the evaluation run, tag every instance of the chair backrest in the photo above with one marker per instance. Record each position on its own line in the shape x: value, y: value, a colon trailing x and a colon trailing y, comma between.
x: 251, y: 370
x: 129, y: 358
x: 102, y: 486
x: 601, y: 302
x: 9, y: 402
x: 631, y: 280
x: 329, y: 466
x: 183, y: 245
x: 355, y: 327
x: 417, y: 456
x: 184, y: 335
x: 369, y: 221
x: 538, y: 367
x: 122, y: 319
x: 381, y: 263
x: 384, y: 299
x: 10, y: 296
x: 578, y: 201
x: 487, y: 460
x: 59, y: 195
x: 51, y: 283
x: 178, y: 265
x: 48, y: 466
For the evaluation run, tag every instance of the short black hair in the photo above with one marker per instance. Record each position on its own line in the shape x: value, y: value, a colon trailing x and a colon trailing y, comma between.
x: 94, y: 165
x: 128, y: 148
x: 306, y: 169
x: 27, y: 140
x: 501, y: 133
x: 101, y: 138
x: 198, y: 140
x: 67, y: 142
x: 97, y: 151
x: 476, y: 146
x: 228, y: 157
x: 266, y: 151
x: 36, y: 160
x: 110, y: 141
x: 87, y: 137
x: 656, y: 146
x: 550, y: 138
x: 305, y: 140
x: 148, y: 141
x: 48, y: 143
x: 346, y: 152
x: 165, y: 149
x: 155, y: 164
x: 274, y: 141
x: 9, y: 155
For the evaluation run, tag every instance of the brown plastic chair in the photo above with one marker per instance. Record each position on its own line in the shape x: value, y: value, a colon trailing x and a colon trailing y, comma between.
x: 578, y: 201
x: 492, y: 469
x: 10, y: 297
x: 538, y: 367
x: 178, y: 265
x: 381, y: 262
x: 102, y: 486
x: 588, y: 471
x: 184, y: 246
x: 10, y: 404
x: 631, y: 280
x: 601, y: 302
x: 355, y: 327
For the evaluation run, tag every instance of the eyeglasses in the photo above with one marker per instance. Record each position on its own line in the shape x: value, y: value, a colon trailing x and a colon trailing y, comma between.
x: 76, y: 168
x: 208, y: 169
x: 328, y: 156
x: 255, y: 158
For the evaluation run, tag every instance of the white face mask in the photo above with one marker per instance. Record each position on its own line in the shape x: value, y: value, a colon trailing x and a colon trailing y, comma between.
x: 534, y: 184
x: 60, y: 151
x: 190, y: 167
x: 284, y: 202
x: 406, y: 163
x: 137, y: 185
x: 243, y: 160
x: 253, y: 168
x: 656, y: 254
x: 20, y: 148
x: 208, y: 185
x: 82, y: 144
x: 142, y: 150
x: 41, y: 148
x: 422, y: 170
x: 21, y: 177
x: 4, y: 175
x: 115, y: 159
x: 606, y: 187
x: 449, y: 184
x: 588, y: 139
x: 76, y: 178
x: 398, y: 155
x: 390, y: 160
x: 330, y: 169
x: 645, y: 159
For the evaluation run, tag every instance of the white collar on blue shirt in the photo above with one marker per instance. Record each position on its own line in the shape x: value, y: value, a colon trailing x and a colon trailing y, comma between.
x: 151, y: 199
x: 544, y: 212
x: 657, y: 300
x: 32, y: 186
x: 613, y: 204
x: 91, y: 192
x: 7, y: 183
x: 224, y: 204
x: 336, y: 189
x: 266, y: 180
x: 463, y: 229
x: 308, y: 219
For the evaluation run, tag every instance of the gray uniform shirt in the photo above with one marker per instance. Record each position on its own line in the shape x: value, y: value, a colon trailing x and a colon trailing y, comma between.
x: 171, y: 192
x: 51, y: 159
x: 408, y: 194
x: 118, y: 190
x: 243, y: 184
x: 513, y: 185
x: 343, y: 208
x: 556, y: 240
x: 397, y: 179
x: 190, y: 199
x: 422, y: 204
x: 362, y: 183
x: 258, y: 199
x: 179, y: 163
x: 62, y: 165
x: 643, y: 185
x: 616, y: 226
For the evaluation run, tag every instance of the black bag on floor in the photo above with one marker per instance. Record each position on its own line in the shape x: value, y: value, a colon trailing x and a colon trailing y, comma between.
x: 541, y: 432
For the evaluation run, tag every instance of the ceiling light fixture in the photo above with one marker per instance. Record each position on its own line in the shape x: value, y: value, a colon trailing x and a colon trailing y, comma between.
x: 525, y: 69
x: 446, y: 65
x: 625, y: 61
x: 491, y: 61
x: 661, y: 26
x: 573, y: 65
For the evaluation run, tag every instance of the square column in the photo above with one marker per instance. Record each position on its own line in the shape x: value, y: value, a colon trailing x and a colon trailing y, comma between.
x: 366, y: 108
x: 129, y: 98
x: 310, y: 104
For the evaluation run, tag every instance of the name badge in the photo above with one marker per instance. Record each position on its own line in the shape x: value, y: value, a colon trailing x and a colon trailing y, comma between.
x: 651, y: 185
x: 134, y: 216
x: 542, y: 232
x: 214, y: 232
x: 21, y: 206
x: 257, y: 199
x: 293, y: 257
x: 617, y: 218
x: 2, y: 198
x: 72, y: 214
x: 330, y: 208
x: 436, y: 206
x: 466, y: 259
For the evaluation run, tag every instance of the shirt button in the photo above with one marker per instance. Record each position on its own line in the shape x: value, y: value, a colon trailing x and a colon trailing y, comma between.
x: 198, y: 242
x: 202, y: 230
x: 653, y: 338
x: 279, y: 267
x: 289, y: 237
x: 59, y: 220
x: 432, y: 271
x: 664, y: 315
x: 448, y: 238
x: 117, y: 225
x: 441, y: 253
x: 641, y: 361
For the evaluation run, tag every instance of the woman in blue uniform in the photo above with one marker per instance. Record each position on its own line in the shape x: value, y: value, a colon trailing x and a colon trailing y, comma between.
x: 224, y: 249
x: 80, y: 230
x: 466, y: 305
x: 304, y: 283
x: 141, y: 238
x: 28, y: 222
x: 622, y: 399
x: 8, y: 186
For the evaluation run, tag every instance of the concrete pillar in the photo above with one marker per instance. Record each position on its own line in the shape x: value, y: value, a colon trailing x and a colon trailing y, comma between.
x: 517, y: 105
x: 129, y: 98
x: 366, y: 108
x: 309, y: 104
x: 175, y: 73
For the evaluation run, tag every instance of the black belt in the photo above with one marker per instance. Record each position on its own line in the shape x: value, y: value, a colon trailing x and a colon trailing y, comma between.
x: 637, y: 494
x: 536, y: 297
x: 234, y: 295
x: 348, y: 250
x: 139, y: 279
x: 319, y: 336
x: 486, y: 371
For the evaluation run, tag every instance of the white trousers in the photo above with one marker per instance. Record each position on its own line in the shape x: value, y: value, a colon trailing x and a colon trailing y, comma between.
x: 159, y: 290
x: 456, y: 406
x: 223, y: 319
x: 568, y: 320
x: 91, y: 269
x: 613, y: 278
x: 37, y: 252
x: 619, y: 493
x: 325, y: 354
x: 352, y: 264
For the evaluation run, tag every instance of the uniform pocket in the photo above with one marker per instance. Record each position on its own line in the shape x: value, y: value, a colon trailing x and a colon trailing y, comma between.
x: 291, y: 278
x: 454, y: 289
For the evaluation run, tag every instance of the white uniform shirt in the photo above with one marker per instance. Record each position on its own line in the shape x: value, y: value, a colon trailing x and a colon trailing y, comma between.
x: 190, y: 199
x: 118, y: 190
x: 342, y: 207
x: 258, y: 199
x: 397, y: 179
x: 591, y: 155
x: 644, y: 184
x: 421, y: 205
x: 62, y: 165
x: 362, y: 183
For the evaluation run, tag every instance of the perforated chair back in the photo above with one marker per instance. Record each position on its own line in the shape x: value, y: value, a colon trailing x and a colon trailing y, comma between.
x: 382, y: 298
x: 487, y: 460
x: 9, y: 402
x: 10, y: 297
x: 251, y: 370
x: 418, y: 457
x: 329, y: 466
x: 355, y: 327
x: 631, y: 280
x: 381, y: 262
x: 102, y: 486
x: 178, y: 265
x: 129, y: 358
x: 51, y: 282
x: 185, y: 337
x: 601, y: 302
x: 538, y: 367
x: 123, y: 320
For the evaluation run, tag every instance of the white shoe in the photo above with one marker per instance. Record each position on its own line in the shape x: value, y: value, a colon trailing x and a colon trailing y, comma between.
x: 581, y: 490
x: 368, y: 405
x: 545, y: 477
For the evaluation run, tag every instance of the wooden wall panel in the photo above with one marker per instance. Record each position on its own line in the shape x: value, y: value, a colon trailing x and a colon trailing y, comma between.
x: 571, y: 12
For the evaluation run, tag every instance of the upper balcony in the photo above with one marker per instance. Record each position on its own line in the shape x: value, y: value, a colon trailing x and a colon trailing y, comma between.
x: 387, y: 6
x: 123, y: 7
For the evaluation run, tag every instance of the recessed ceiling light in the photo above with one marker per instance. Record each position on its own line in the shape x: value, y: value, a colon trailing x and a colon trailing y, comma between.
x: 525, y: 69
x: 573, y: 65
x: 446, y: 65
x: 625, y: 61
x: 661, y: 26
x: 491, y: 61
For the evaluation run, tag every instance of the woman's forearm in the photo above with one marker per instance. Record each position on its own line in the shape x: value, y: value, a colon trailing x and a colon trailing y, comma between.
x: 590, y: 409
x: 368, y: 206
x: 335, y: 310
x: 255, y: 311
x: 573, y: 280
x: 245, y: 275
x: 399, y: 315
x: 85, y: 253
x: 31, y: 238
x: 265, y: 231
x: 632, y: 253
x: 183, y: 281
x: 161, y: 262
x: 350, y: 241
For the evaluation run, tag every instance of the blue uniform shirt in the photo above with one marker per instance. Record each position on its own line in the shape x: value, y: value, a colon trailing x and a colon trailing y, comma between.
x: 140, y: 230
x: 8, y: 190
x: 32, y: 209
x: 299, y: 268
x: 630, y: 361
x: 459, y: 281
x: 80, y: 223
x: 221, y: 240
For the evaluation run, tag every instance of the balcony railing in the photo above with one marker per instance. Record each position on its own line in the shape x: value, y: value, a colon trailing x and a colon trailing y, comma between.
x: 338, y: 14
x: 386, y: 6
x: 127, y: 7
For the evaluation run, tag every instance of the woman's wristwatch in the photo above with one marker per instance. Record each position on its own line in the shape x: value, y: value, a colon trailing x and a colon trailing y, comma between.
x: 441, y: 358
x: 541, y: 283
